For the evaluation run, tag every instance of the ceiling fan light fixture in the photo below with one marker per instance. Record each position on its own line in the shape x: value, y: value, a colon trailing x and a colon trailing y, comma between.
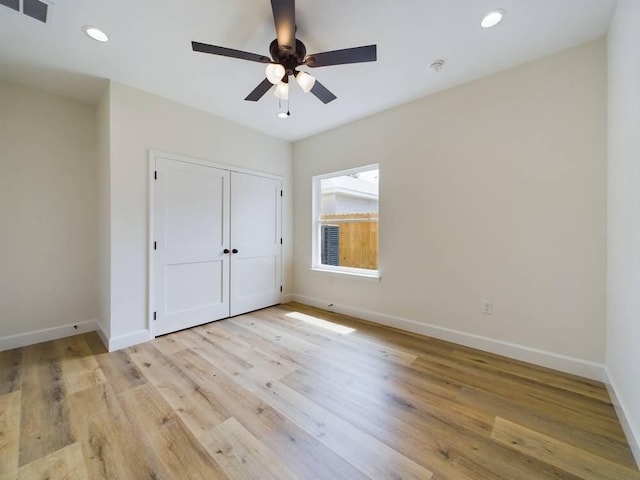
x: 274, y: 72
x: 305, y: 81
x: 493, y: 18
x: 282, y: 91
x: 288, y: 53
x: 95, y: 33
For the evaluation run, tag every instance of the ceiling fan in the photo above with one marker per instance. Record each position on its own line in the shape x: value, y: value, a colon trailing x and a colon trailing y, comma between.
x: 287, y: 54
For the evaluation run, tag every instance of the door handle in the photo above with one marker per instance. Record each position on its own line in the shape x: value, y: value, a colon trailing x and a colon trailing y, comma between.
x: 226, y: 250
x: 235, y: 250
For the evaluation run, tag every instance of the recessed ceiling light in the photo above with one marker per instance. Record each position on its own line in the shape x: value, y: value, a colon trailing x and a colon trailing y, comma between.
x: 493, y: 18
x: 283, y: 114
x: 95, y: 33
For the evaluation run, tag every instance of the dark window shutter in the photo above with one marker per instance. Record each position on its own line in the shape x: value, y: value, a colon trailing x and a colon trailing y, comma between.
x: 330, y: 245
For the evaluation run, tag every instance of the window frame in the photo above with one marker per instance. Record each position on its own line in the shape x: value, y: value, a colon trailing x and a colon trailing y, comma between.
x: 316, y: 229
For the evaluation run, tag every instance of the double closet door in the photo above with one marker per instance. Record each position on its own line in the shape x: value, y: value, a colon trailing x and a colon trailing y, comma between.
x: 217, y: 243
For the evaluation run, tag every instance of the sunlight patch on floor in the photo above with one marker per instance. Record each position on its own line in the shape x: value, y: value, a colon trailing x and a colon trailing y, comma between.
x: 318, y: 322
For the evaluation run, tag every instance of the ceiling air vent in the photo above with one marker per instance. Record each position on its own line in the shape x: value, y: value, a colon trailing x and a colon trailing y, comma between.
x: 32, y: 8
x: 15, y: 4
x: 35, y: 9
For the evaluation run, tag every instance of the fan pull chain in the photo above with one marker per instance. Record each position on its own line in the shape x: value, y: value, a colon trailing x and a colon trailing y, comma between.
x: 281, y: 112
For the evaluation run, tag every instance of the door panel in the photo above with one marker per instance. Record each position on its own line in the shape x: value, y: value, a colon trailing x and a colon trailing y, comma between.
x: 190, y: 285
x: 191, y: 274
x: 258, y: 274
x: 255, y: 234
x: 192, y: 191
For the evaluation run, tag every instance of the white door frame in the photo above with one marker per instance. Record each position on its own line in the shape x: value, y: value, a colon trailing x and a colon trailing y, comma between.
x: 153, y: 155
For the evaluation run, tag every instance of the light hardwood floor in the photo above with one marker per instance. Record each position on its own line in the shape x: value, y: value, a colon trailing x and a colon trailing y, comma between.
x: 292, y: 392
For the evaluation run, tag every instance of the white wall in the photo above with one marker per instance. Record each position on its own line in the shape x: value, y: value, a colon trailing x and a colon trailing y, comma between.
x: 48, y: 207
x: 623, y: 274
x: 493, y: 190
x: 141, y: 121
x: 103, y: 117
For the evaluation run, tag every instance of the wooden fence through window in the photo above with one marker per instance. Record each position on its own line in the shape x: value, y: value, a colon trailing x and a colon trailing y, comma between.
x: 358, y: 239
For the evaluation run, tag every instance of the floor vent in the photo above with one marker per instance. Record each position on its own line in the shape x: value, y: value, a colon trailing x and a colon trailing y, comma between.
x: 32, y: 8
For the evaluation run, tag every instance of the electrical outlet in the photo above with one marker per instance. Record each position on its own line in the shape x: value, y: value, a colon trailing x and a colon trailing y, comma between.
x: 487, y: 307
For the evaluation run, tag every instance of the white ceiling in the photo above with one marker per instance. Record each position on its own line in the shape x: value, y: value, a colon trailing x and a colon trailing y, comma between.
x: 150, y: 49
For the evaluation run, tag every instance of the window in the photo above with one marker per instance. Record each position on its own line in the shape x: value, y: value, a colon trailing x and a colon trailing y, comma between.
x: 345, y: 212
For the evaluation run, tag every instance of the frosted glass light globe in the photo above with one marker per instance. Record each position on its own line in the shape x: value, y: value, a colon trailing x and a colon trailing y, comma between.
x: 274, y: 72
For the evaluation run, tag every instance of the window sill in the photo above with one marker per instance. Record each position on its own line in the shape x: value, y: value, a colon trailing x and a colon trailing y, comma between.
x: 371, y: 276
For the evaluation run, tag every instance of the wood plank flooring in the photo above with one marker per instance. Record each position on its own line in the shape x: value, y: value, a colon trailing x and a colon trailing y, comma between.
x: 292, y: 392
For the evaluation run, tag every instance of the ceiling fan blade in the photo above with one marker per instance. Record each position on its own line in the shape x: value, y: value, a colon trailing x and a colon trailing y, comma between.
x: 284, y: 16
x: 259, y: 91
x: 322, y: 93
x: 229, y: 52
x: 367, y: 53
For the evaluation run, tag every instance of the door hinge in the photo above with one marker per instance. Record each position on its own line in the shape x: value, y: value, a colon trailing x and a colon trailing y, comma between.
x: 281, y: 288
x: 155, y: 316
x: 155, y: 245
x: 155, y: 175
x: 280, y: 240
x: 280, y: 192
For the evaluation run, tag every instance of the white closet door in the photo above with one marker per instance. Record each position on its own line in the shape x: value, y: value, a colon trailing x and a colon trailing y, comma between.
x: 256, y: 268
x: 191, y: 270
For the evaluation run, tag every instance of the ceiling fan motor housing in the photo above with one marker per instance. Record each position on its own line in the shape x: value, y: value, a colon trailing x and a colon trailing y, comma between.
x: 290, y: 60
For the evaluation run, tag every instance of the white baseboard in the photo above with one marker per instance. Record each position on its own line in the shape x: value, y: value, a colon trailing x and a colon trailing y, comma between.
x: 287, y: 298
x: 103, y: 336
x: 563, y: 363
x: 47, y: 334
x: 123, y: 341
x: 624, y: 415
